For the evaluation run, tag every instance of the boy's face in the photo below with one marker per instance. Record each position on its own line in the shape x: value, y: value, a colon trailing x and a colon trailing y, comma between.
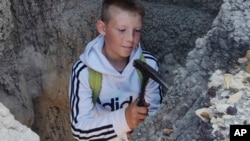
x: 122, y: 32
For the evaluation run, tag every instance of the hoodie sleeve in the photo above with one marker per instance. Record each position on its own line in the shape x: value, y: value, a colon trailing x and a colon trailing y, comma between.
x: 153, y: 93
x: 85, y: 124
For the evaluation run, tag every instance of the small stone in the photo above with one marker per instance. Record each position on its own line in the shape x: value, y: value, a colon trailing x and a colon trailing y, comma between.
x: 213, y: 120
x: 248, y: 93
x: 206, y: 128
x: 168, y: 132
x: 227, y: 117
x: 231, y: 110
x: 221, y: 108
x: 247, y: 69
x: 206, y: 103
x: 220, y: 120
x: 205, y: 115
x: 246, y: 122
x: 235, y: 98
x: 248, y: 55
x: 242, y: 60
x: 214, y: 101
x: 247, y: 79
x: 225, y: 93
x: 219, y: 135
x: 228, y: 78
x: 236, y: 67
x: 244, y: 81
x: 212, y: 92
x: 203, y: 110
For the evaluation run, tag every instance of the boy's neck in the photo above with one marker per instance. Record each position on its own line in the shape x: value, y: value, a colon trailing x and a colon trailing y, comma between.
x: 118, y: 63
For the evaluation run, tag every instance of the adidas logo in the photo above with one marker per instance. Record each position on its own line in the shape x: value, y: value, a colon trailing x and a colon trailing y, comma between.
x: 115, y: 104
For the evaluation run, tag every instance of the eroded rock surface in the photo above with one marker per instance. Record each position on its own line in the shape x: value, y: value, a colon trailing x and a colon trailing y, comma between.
x: 39, y: 41
x: 220, y: 48
x: 13, y: 86
x: 12, y: 130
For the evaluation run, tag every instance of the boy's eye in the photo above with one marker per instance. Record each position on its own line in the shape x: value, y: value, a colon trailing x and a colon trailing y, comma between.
x: 122, y: 30
x: 138, y: 30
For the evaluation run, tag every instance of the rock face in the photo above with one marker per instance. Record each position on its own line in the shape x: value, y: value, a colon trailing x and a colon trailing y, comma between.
x: 12, y: 130
x: 219, y: 49
x: 228, y: 102
x: 40, y: 40
x: 13, y: 87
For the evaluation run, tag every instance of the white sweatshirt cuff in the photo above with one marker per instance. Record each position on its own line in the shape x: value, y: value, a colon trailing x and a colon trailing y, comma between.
x: 120, y: 122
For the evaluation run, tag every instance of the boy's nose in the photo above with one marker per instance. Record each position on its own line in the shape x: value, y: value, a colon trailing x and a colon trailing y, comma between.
x: 130, y: 36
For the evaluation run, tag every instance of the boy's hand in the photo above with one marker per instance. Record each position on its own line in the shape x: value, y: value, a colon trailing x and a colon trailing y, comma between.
x: 135, y: 114
x: 129, y: 134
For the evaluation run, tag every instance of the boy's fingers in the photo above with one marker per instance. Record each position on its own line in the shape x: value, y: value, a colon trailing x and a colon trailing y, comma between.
x: 141, y: 117
x: 143, y: 111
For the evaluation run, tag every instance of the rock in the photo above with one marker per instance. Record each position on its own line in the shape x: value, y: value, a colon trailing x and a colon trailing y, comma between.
x: 222, y: 113
x: 168, y: 132
x: 216, y: 79
x: 235, y: 97
x: 242, y: 60
x: 227, y: 80
x: 248, y: 55
x: 221, y: 108
x: 12, y: 130
x: 246, y: 122
x: 212, y: 92
x: 247, y: 68
x: 229, y: 33
x: 39, y: 40
x: 13, y: 87
x: 231, y: 110
x: 203, y: 113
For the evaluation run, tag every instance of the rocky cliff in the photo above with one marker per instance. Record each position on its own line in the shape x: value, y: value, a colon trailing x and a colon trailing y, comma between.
x: 219, y: 49
x: 40, y: 40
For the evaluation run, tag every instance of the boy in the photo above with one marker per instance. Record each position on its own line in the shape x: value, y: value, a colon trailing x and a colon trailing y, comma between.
x: 115, y: 114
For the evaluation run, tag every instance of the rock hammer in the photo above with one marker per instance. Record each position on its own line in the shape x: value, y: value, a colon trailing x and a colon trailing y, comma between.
x: 147, y: 72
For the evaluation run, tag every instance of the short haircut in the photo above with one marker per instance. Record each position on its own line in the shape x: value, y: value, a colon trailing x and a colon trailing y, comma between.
x: 126, y: 5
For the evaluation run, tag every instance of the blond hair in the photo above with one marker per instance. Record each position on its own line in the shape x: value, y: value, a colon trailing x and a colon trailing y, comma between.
x: 127, y: 5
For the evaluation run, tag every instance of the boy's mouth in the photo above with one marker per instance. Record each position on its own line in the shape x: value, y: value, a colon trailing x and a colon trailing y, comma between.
x: 128, y: 47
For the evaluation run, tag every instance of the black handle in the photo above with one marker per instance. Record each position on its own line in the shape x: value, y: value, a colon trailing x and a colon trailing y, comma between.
x: 141, y: 102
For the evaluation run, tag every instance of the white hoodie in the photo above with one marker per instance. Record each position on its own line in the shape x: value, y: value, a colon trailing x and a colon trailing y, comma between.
x: 105, y: 120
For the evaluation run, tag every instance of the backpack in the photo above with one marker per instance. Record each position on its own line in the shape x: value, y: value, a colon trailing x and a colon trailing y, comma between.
x: 95, y: 81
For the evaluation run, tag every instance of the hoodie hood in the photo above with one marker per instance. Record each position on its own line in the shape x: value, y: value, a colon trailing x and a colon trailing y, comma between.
x: 94, y: 58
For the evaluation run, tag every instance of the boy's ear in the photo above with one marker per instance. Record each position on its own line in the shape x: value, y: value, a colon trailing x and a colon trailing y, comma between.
x: 101, y: 27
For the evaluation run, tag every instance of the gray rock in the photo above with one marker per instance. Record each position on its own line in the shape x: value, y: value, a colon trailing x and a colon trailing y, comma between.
x: 40, y: 40
x: 220, y: 48
x: 13, y: 88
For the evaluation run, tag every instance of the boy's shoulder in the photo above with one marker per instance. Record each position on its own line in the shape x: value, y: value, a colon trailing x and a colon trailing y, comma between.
x: 78, y: 65
x: 150, y: 57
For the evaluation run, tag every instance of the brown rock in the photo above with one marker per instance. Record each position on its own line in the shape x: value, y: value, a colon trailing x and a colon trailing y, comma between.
x: 168, y: 132
x: 205, y: 115
x: 248, y: 55
x: 247, y: 69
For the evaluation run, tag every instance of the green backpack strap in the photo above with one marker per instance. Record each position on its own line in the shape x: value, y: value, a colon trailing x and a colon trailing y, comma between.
x: 95, y: 81
x: 142, y: 58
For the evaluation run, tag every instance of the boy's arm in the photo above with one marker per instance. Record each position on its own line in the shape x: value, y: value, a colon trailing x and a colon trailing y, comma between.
x: 84, y: 124
x: 153, y: 92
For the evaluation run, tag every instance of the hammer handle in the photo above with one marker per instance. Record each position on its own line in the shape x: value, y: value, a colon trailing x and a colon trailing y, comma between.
x: 141, y: 102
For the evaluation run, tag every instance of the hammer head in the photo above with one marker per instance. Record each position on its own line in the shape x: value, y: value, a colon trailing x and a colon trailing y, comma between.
x: 148, y: 71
